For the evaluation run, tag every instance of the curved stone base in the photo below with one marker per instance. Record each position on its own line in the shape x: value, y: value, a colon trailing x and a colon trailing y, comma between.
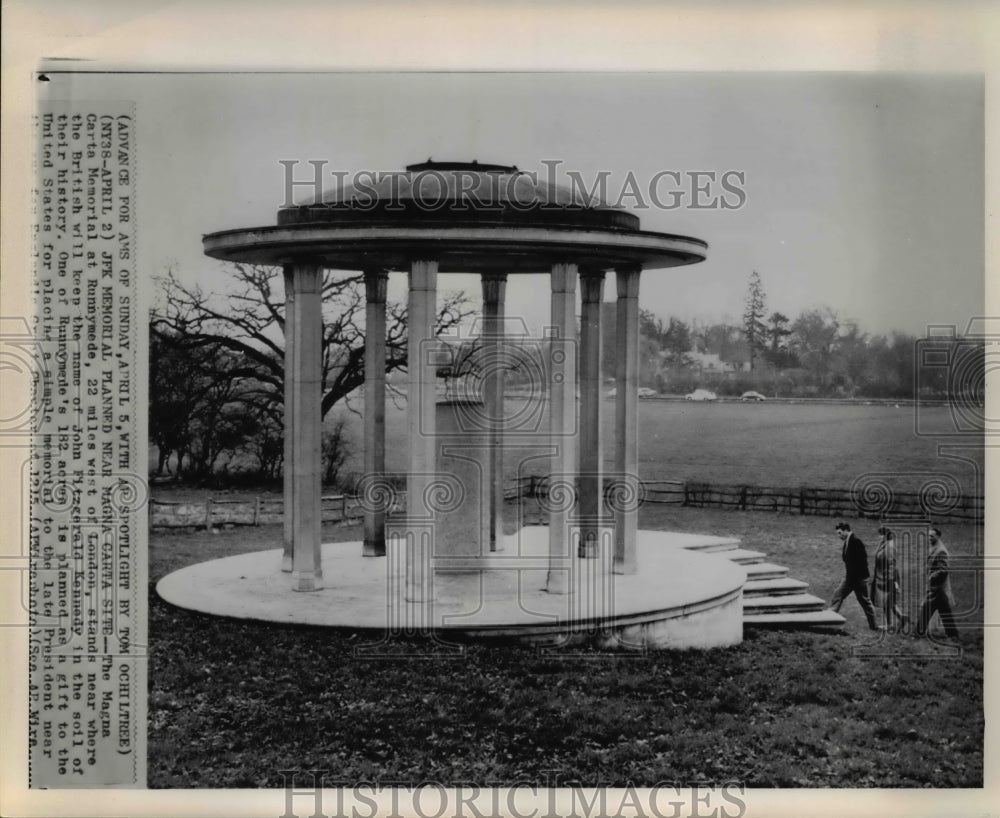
x: 681, y: 598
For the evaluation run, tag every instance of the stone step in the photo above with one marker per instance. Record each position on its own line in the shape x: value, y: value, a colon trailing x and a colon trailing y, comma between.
x: 765, y: 570
x: 714, y: 545
x: 773, y: 587
x: 743, y: 556
x: 803, y: 619
x: 783, y: 603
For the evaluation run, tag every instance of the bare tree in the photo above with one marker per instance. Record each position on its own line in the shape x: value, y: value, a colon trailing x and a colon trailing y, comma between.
x: 335, y: 451
x: 217, y: 365
x: 205, y: 402
x: 249, y: 320
x: 814, y: 340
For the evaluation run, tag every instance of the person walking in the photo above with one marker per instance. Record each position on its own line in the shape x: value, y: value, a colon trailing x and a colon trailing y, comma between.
x: 938, y: 596
x: 885, y: 591
x: 855, y: 557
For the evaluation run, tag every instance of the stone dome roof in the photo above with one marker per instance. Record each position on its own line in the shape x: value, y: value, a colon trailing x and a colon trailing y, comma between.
x: 458, y: 193
x: 469, y: 217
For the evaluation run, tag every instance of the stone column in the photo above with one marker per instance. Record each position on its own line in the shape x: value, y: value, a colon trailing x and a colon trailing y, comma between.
x: 562, y: 424
x: 303, y: 420
x: 627, y: 419
x: 420, y: 411
x: 494, y: 292
x: 374, y: 423
x: 591, y: 457
x: 288, y: 460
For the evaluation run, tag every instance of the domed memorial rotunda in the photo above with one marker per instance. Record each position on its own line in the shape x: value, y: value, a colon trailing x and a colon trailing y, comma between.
x: 445, y: 566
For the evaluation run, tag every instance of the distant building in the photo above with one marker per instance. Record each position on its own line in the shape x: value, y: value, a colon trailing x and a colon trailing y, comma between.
x: 708, y: 363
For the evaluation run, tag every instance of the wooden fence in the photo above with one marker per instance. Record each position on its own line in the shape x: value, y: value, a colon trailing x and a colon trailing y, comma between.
x: 831, y: 502
x: 828, y: 502
x: 261, y: 510
x: 806, y: 500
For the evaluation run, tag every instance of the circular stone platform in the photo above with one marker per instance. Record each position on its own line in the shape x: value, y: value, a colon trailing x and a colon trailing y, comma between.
x: 682, y: 598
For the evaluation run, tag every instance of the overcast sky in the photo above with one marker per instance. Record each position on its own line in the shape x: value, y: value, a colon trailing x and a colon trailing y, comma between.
x: 864, y: 192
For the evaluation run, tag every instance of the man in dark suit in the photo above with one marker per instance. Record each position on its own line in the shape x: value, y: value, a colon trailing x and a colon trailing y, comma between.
x: 938, y: 589
x: 856, y: 577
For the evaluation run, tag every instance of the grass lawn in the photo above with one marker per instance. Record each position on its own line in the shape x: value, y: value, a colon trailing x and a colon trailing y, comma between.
x: 775, y: 444
x: 232, y: 703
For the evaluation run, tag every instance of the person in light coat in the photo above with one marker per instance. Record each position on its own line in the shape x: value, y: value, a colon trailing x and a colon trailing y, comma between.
x: 885, y: 590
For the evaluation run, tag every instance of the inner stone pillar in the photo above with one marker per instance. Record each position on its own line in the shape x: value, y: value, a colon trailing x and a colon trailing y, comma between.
x: 421, y: 427
x: 627, y: 420
x: 494, y: 292
x: 562, y: 424
x: 374, y: 421
x: 303, y: 421
x: 462, y: 494
x: 591, y: 482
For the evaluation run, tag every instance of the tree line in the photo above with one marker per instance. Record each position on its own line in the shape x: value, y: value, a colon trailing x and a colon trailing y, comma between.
x: 816, y: 354
x: 216, y: 365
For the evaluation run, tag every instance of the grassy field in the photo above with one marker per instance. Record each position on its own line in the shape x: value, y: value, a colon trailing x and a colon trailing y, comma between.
x: 775, y: 444
x: 785, y: 708
x: 772, y: 444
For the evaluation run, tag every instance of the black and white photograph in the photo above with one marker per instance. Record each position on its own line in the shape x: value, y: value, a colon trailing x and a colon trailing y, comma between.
x: 456, y: 439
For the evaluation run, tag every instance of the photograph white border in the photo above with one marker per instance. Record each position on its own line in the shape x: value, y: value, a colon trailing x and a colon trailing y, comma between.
x: 354, y: 36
